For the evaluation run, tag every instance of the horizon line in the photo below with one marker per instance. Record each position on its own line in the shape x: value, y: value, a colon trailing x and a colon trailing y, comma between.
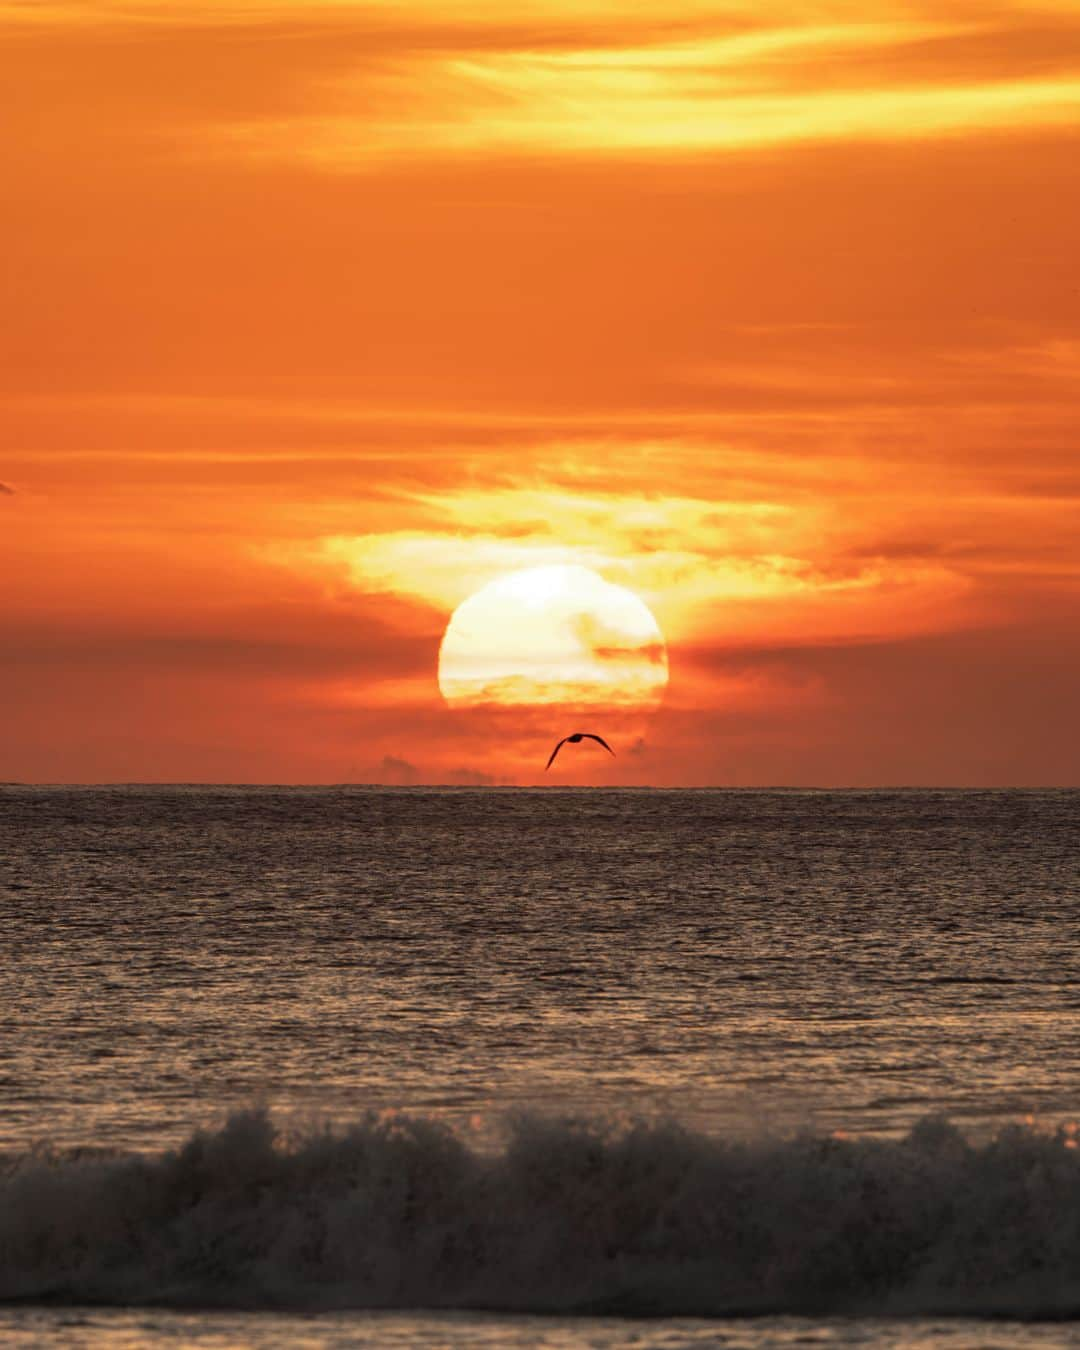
x: 545, y: 787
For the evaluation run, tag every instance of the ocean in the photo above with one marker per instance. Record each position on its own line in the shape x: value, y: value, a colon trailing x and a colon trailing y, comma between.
x: 436, y: 1067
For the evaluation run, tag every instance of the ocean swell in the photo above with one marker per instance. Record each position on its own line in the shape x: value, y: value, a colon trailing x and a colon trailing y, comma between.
x: 401, y: 1212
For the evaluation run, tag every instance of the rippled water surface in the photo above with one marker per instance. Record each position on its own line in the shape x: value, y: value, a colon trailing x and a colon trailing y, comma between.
x: 93, y: 1329
x: 855, y: 958
x: 579, y: 1053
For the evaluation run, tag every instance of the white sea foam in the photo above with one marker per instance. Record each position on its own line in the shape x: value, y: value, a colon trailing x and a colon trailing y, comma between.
x: 400, y: 1212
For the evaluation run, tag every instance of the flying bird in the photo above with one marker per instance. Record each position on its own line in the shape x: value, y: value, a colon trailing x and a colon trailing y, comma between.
x: 574, y: 739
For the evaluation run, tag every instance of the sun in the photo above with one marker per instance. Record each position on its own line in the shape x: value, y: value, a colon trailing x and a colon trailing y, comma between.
x: 553, y: 635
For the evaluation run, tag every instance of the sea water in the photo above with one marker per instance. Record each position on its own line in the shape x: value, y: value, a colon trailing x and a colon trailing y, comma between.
x: 287, y: 1066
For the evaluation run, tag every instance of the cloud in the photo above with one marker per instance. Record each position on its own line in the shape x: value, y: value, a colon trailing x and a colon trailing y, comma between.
x: 702, y: 92
x: 343, y: 85
x: 397, y: 772
x: 748, y: 567
x: 476, y: 778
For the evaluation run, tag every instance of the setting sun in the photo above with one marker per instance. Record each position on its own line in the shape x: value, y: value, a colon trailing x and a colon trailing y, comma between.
x: 553, y: 635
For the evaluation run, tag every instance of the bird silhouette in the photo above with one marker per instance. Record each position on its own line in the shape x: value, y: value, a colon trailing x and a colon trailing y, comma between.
x: 574, y: 739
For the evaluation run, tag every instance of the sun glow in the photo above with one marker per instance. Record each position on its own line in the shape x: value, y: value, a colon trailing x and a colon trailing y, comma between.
x: 553, y: 635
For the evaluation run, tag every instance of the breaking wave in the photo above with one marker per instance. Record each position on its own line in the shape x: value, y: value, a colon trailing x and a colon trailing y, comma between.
x: 569, y: 1217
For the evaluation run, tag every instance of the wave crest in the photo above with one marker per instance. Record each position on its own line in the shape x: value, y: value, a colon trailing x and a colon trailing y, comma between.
x: 400, y: 1212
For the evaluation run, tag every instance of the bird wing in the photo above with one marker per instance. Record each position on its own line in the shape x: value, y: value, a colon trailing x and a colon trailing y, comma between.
x: 593, y: 737
x: 554, y: 752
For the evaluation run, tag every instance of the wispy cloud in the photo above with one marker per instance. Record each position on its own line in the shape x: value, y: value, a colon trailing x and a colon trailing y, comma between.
x: 741, y: 569
x: 710, y: 92
x: 351, y: 86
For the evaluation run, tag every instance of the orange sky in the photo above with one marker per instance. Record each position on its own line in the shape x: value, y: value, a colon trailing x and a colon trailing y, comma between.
x: 319, y: 316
